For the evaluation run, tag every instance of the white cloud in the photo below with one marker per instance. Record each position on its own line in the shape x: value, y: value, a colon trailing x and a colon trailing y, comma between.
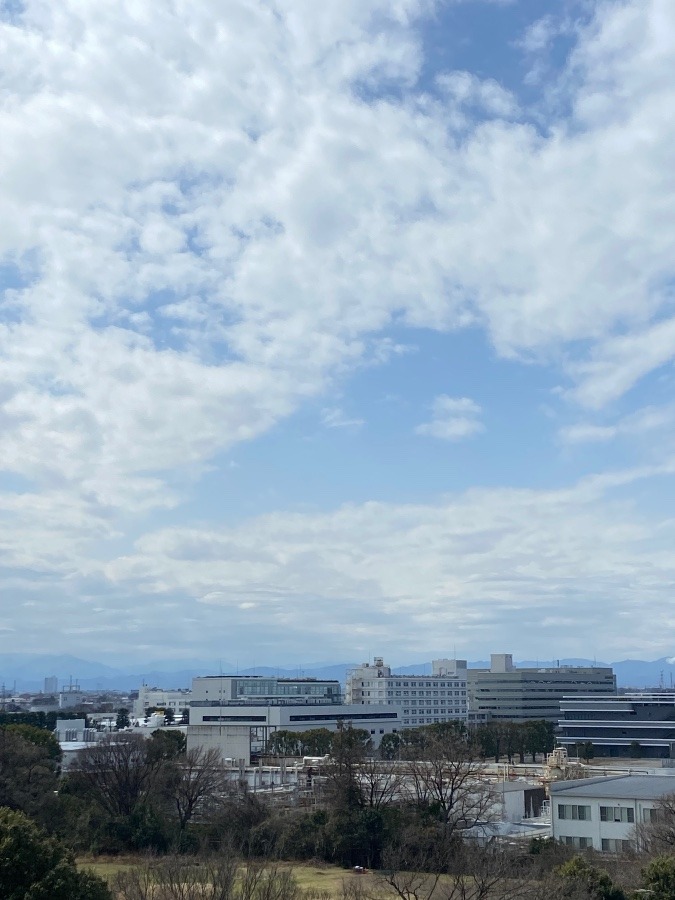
x: 336, y: 418
x: 453, y: 418
x: 636, y: 424
x: 205, y: 237
x: 210, y: 224
x: 487, y: 95
x: 467, y: 568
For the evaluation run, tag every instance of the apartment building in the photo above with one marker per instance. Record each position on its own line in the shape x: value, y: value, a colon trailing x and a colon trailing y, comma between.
x: 419, y: 699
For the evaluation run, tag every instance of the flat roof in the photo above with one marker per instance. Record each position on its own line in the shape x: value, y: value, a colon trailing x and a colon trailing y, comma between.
x: 272, y: 678
x: 617, y: 787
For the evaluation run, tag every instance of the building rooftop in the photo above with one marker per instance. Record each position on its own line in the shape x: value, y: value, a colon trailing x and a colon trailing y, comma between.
x: 618, y: 787
x: 270, y: 678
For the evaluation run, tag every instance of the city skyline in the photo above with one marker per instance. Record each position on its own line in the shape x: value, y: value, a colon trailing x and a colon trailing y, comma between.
x: 337, y: 329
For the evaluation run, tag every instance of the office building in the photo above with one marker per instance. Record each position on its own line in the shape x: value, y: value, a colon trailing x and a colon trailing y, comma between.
x: 219, y: 690
x: 237, y: 714
x: 507, y: 693
x: 178, y: 701
x: 216, y: 726
x: 419, y: 699
x: 633, y: 724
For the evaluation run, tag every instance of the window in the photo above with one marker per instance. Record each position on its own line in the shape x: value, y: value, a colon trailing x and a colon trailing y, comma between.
x: 615, y: 845
x: 572, y: 811
x: 581, y: 843
x: 617, y: 814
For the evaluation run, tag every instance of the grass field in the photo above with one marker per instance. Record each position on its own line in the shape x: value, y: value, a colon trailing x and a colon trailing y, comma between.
x: 315, y: 878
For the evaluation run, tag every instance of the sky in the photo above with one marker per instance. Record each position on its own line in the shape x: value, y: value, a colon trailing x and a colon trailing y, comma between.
x: 340, y: 328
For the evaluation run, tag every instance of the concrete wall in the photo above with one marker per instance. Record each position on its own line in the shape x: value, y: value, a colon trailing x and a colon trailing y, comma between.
x: 231, y: 741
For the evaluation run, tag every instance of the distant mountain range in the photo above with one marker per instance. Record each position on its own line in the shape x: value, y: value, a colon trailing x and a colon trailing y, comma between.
x: 28, y: 671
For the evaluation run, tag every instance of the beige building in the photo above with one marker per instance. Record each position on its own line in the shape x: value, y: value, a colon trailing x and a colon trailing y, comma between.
x: 418, y: 699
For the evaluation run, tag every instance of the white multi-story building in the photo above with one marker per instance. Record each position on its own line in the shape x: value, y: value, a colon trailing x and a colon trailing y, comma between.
x: 238, y: 729
x: 148, y: 697
x: 238, y: 713
x: 419, y: 699
x: 219, y: 690
x: 602, y: 813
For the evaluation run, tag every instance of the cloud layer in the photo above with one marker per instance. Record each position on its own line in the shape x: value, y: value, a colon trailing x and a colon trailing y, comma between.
x: 209, y: 215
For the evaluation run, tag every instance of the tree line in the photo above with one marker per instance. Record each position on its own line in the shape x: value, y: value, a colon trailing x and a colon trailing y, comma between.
x: 493, y: 740
x: 420, y: 817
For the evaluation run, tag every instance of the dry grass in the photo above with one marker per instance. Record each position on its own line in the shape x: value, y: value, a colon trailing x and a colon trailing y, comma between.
x: 319, y: 878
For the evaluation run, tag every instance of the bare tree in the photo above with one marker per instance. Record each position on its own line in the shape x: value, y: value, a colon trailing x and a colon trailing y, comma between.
x: 119, y: 773
x: 379, y: 781
x: 348, y: 753
x: 657, y: 835
x: 455, y: 870
x: 199, y: 780
x: 216, y: 878
x: 448, y: 781
x: 177, y: 878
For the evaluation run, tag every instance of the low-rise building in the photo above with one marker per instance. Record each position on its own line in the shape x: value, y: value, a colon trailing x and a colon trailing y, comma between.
x: 239, y: 713
x: 602, y: 813
x: 633, y: 724
x: 220, y: 690
x: 178, y: 701
x: 238, y: 729
x: 419, y: 699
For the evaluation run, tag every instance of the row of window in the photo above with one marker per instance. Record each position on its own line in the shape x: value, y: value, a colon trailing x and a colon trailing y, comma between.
x: 607, y: 813
x: 609, y: 845
x: 423, y: 721
x: 413, y: 693
x: 574, y: 811
x: 444, y: 684
x: 581, y: 843
x: 617, y: 814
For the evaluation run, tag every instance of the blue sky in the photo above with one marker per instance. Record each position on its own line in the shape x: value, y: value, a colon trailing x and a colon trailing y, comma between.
x: 337, y: 329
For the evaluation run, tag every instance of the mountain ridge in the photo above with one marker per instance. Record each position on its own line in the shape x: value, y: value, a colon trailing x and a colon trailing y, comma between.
x: 28, y: 671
